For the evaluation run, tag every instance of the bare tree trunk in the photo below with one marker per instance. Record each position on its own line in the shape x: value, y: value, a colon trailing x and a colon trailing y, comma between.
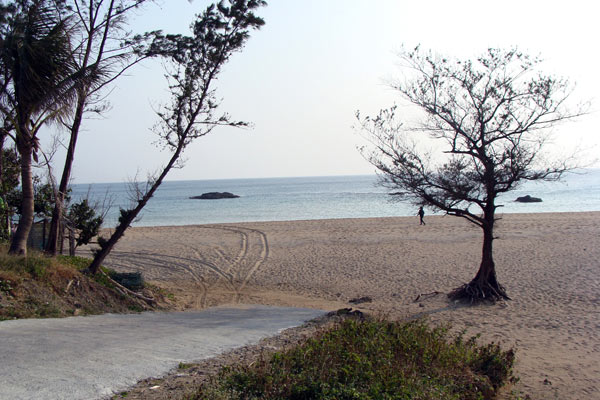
x: 485, y: 286
x: 485, y: 279
x: 71, y: 242
x: 5, y: 230
x: 18, y: 245
x: 61, y: 241
x: 53, y: 239
x: 57, y: 213
x: 4, y: 213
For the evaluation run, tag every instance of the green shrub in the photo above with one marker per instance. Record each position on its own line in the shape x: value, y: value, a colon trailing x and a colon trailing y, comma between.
x: 371, y: 360
x: 5, y: 285
x: 79, y: 263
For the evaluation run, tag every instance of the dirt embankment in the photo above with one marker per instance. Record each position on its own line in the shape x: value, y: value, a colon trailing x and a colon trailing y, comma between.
x: 40, y: 287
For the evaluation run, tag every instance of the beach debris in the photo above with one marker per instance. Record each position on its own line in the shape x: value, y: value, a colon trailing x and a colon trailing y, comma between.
x: 528, y: 199
x: 125, y: 291
x: 131, y: 280
x: 426, y: 295
x: 215, y: 196
x: 69, y: 286
x: 154, y: 387
x: 360, y: 300
x: 346, y: 311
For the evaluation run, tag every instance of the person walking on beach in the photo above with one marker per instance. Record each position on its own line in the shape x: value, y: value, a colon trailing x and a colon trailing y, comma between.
x: 421, y: 214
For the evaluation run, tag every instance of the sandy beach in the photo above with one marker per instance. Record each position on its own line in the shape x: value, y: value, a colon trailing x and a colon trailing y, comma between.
x: 547, y: 262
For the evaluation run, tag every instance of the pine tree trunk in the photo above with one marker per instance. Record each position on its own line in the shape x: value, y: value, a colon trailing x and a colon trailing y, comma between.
x: 108, y: 246
x: 125, y: 221
x: 130, y: 215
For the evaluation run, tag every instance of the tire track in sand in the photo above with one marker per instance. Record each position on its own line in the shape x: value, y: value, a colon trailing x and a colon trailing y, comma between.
x: 233, y: 265
x: 253, y: 252
x: 156, y: 261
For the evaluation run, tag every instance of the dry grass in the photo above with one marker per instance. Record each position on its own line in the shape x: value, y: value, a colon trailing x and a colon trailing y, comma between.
x: 37, y: 286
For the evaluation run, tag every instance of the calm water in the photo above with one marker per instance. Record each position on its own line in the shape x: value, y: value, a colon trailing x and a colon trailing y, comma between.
x: 284, y: 199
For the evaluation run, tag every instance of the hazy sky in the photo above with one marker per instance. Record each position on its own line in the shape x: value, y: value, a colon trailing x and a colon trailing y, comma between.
x: 301, y: 78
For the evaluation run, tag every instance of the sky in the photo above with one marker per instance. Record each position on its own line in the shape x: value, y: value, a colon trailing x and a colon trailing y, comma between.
x: 301, y: 78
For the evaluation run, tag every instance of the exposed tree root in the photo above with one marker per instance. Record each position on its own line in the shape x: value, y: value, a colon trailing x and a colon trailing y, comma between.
x: 476, y: 292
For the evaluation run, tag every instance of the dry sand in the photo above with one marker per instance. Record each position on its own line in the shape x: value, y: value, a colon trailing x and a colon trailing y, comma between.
x: 549, y: 264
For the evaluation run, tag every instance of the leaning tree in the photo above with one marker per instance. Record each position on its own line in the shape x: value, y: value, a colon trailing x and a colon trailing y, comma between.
x: 491, y: 116
x: 193, y: 65
x: 106, y: 47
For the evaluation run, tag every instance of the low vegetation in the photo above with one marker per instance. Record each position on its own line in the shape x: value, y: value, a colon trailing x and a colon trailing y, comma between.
x: 359, y: 358
x: 368, y: 359
x: 37, y: 286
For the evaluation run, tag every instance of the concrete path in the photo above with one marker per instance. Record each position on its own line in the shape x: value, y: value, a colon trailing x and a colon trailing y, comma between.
x: 94, y: 357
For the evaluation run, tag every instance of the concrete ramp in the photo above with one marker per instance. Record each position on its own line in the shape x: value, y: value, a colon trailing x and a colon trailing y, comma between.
x: 97, y: 356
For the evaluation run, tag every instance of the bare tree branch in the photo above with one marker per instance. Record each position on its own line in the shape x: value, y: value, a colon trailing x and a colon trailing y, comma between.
x: 494, y: 114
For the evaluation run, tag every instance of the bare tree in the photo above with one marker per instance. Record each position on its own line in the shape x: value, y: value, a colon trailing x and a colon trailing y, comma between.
x: 492, y: 115
x: 106, y: 47
x: 194, y: 64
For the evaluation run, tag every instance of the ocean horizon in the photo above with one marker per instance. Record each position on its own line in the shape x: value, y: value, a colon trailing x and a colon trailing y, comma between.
x: 321, y: 197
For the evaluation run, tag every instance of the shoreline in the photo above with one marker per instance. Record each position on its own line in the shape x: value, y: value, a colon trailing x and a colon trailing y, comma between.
x: 547, y: 262
x: 500, y: 214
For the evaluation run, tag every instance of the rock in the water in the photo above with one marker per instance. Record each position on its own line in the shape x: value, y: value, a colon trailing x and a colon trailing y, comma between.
x: 215, y: 196
x: 528, y: 199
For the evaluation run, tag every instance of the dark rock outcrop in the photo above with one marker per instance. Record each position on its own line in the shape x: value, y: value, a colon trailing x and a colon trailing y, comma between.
x: 215, y: 196
x: 360, y: 300
x: 528, y: 199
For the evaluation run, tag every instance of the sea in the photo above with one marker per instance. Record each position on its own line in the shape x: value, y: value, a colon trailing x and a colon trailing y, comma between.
x: 309, y: 198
